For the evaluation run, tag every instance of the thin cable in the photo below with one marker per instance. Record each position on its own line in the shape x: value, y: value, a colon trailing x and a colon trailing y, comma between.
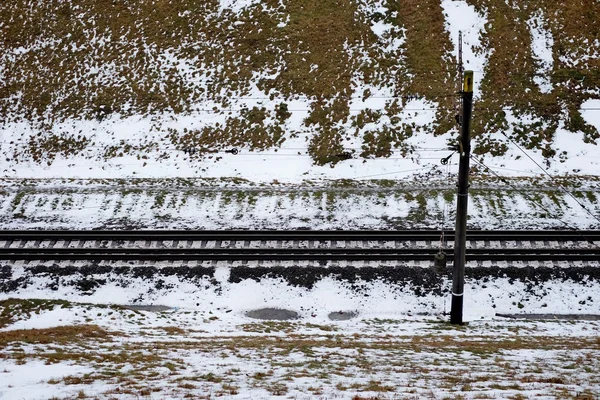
x: 518, y: 170
x: 220, y: 111
x: 185, y: 162
x: 445, y: 208
x: 417, y: 148
x: 574, y: 229
x: 403, y: 73
x: 391, y: 173
x: 551, y: 177
x: 344, y: 97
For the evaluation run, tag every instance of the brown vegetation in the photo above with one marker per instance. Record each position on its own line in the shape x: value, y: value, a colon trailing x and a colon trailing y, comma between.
x: 92, y: 59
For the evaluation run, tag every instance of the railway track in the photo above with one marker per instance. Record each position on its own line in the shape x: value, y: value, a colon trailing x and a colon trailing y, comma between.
x: 403, y: 235
x: 319, y: 246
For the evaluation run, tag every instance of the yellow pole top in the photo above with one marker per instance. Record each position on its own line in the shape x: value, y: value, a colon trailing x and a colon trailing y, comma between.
x: 468, y: 82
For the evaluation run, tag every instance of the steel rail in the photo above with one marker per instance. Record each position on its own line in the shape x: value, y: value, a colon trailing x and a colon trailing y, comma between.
x: 293, y: 254
x: 239, y: 235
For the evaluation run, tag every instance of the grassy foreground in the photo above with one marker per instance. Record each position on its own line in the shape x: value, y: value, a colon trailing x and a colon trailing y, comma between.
x: 182, y: 354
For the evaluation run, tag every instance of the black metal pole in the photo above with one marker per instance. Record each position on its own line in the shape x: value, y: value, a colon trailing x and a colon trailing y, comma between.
x: 460, y: 239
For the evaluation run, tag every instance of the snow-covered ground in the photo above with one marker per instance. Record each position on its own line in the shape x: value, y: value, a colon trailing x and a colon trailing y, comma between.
x: 371, y: 293
x: 204, y: 345
x: 72, y: 350
x: 425, y: 201
x: 189, y: 334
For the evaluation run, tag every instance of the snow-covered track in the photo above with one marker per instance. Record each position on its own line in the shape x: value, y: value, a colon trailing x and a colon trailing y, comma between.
x: 401, y: 246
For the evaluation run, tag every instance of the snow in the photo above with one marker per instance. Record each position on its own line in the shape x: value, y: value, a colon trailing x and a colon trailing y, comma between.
x: 317, y: 205
x: 573, y: 154
x: 542, y: 46
x: 28, y: 381
x: 50, y: 319
x: 236, y: 5
x: 389, y: 342
x: 590, y: 111
x: 290, y: 166
x: 391, y: 36
x: 212, y: 310
x: 369, y: 298
x: 462, y: 17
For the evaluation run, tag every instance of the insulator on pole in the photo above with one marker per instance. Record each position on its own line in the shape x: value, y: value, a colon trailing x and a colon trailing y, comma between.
x: 439, y: 262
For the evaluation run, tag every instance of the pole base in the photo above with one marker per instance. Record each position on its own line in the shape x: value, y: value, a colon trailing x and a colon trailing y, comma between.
x: 456, y: 312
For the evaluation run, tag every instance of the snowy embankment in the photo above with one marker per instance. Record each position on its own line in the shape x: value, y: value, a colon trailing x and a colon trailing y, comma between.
x: 381, y: 290
x: 426, y: 201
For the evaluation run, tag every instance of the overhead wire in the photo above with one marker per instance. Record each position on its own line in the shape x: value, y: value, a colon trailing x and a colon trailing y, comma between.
x: 393, y: 173
x: 217, y: 111
x: 258, y: 153
x: 404, y: 72
x: 185, y: 163
x: 356, y: 110
x: 534, y: 201
x: 445, y: 208
x: 339, y: 96
x: 552, y: 178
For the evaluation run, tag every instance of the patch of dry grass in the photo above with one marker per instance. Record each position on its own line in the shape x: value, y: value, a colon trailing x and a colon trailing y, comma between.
x: 59, y: 335
x: 12, y: 310
x: 354, y: 364
x: 429, y: 56
x: 249, y: 129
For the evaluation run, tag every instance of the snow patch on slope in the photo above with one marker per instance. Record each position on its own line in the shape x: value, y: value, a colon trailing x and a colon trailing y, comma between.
x: 463, y: 17
x: 590, y: 111
x: 236, y: 6
x: 391, y: 35
x: 573, y: 155
x: 542, y: 43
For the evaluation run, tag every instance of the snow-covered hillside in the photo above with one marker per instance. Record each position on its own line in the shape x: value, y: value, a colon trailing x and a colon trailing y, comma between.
x: 304, y: 90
